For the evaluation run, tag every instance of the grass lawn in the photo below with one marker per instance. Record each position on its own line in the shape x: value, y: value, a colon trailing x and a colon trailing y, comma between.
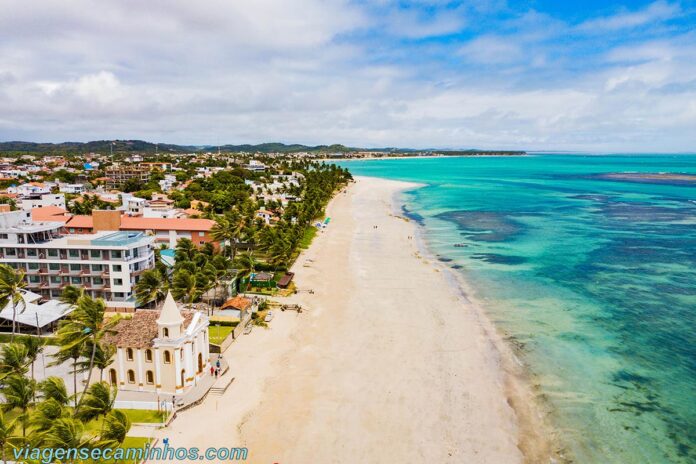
x: 218, y: 333
x: 144, y: 415
x: 309, y: 234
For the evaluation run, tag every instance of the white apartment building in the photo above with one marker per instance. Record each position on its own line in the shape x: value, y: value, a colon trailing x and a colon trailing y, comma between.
x: 45, y: 200
x: 72, y: 188
x: 168, y: 182
x: 106, y: 264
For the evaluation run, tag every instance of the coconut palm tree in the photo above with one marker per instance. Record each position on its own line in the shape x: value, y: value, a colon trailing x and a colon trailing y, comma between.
x: 185, y: 250
x: 34, y: 346
x: 245, y: 265
x: 18, y: 392
x: 102, y: 357
x: 98, y: 401
x: 45, y: 414
x: 185, y: 286
x: 71, y: 294
x: 67, y: 433
x: 11, y: 285
x: 53, y: 388
x: 69, y: 350
x: 85, y: 325
x: 7, y: 436
x: 151, y: 287
x: 13, y: 360
x: 115, y: 427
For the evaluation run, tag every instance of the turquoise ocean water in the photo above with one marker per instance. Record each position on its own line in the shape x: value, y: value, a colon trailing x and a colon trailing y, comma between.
x: 593, y: 280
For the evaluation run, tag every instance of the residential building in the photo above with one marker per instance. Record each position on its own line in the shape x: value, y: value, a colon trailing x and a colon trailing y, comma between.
x: 166, y: 231
x: 106, y: 264
x: 72, y: 188
x: 119, y: 175
x: 43, y: 201
x: 165, y: 351
x: 255, y: 165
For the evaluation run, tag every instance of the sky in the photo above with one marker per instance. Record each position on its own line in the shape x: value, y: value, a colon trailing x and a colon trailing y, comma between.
x: 491, y: 74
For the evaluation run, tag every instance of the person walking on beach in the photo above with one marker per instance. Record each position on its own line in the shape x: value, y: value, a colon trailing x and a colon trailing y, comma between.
x: 212, y: 369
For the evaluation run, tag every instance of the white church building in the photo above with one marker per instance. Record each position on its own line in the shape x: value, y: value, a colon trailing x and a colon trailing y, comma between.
x: 163, y: 351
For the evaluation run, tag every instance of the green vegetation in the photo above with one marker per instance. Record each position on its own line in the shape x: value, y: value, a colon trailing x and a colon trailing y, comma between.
x: 144, y: 415
x: 309, y: 234
x: 219, y: 333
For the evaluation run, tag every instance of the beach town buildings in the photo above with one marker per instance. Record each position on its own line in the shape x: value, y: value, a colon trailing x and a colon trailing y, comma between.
x: 43, y: 201
x: 165, y: 352
x: 119, y: 175
x: 106, y: 264
x: 165, y: 231
x: 75, y: 189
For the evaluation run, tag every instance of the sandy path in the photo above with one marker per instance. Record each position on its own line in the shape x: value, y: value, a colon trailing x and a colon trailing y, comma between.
x: 390, y: 365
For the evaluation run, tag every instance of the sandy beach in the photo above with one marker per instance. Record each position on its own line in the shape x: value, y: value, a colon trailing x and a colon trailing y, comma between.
x: 390, y: 363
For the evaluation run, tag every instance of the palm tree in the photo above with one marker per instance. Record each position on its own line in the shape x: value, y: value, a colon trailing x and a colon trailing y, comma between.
x: 34, y: 346
x: 45, y: 414
x: 53, y: 388
x: 185, y: 250
x: 13, y: 359
x: 7, y: 437
x: 103, y: 357
x: 245, y: 266
x: 69, y: 350
x: 67, y: 433
x: 19, y: 393
x: 11, y: 285
x: 86, y: 324
x: 115, y: 427
x: 97, y: 401
x: 185, y: 286
x: 71, y: 294
x: 151, y: 287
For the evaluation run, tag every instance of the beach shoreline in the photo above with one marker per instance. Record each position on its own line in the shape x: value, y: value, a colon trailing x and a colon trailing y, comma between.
x: 380, y: 368
x: 538, y: 439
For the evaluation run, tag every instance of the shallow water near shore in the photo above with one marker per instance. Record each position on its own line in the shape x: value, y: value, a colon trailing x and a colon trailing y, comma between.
x: 591, y: 277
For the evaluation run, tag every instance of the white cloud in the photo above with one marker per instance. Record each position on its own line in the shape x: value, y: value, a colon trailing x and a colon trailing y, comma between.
x: 294, y: 71
x: 657, y: 11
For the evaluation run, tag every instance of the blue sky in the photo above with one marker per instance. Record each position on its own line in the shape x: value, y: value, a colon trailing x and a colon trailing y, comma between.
x: 591, y: 75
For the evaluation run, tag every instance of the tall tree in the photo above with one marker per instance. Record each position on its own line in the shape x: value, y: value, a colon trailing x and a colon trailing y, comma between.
x: 114, y: 429
x: 12, y: 285
x: 85, y: 325
x: 151, y: 287
x: 18, y: 392
x: 7, y: 436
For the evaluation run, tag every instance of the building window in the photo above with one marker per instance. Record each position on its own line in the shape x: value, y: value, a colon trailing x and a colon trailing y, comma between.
x: 98, y: 281
x: 116, y: 254
x: 72, y: 230
x: 75, y: 267
x: 95, y: 254
x: 33, y: 266
x: 149, y: 377
x: 131, y: 376
x: 181, y: 354
x: 148, y: 355
x: 201, y: 234
x: 54, y: 266
x: 74, y: 253
x: 56, y: 280
x: 52, y: 253
x: 117, y: 268
x: 165, y: 332
x: 167, y: 357
x: 34, y: 279
x: 118, y: 281
x: 3, y: 236
x: 97, y: 268
x: 10, y: 251
x: 129, y: 354
x: 75, y: 280
x: 31, y: 252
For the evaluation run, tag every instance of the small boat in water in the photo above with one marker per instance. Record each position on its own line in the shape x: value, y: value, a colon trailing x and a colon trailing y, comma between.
x: 460, y: 245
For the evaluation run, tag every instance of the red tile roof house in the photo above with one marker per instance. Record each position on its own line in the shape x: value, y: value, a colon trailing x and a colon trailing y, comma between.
x: 166, y: 230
